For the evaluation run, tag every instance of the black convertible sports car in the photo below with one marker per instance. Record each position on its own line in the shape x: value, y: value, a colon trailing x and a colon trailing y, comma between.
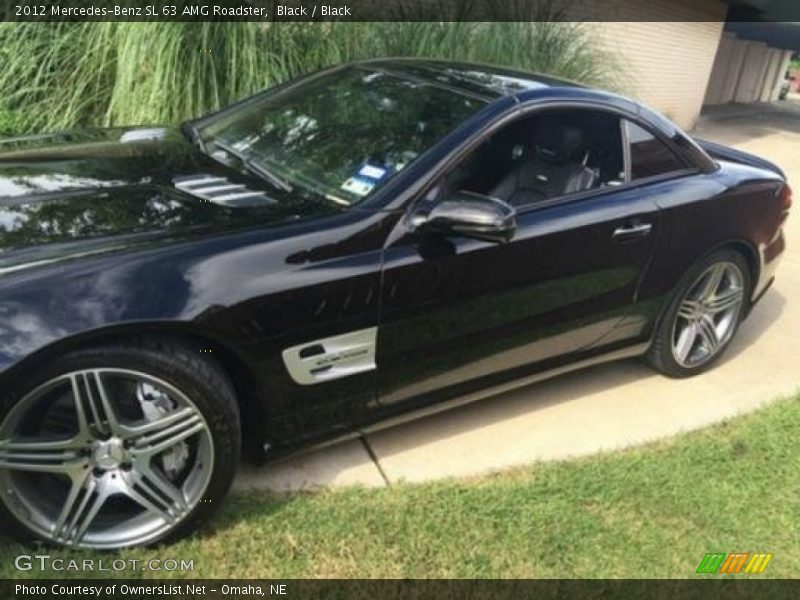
x: 373, y: 240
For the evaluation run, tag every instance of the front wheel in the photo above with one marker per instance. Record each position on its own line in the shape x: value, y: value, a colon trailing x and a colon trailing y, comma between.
x: 703, y: 316
x: 117, y: 446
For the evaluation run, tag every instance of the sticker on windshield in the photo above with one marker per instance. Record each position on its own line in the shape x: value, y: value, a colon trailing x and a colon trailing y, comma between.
x: 365, y: 179
x: 360, y: 186
x: 372, y: 172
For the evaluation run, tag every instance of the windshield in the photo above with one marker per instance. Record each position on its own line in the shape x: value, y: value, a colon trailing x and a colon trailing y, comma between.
x: 342, y: 135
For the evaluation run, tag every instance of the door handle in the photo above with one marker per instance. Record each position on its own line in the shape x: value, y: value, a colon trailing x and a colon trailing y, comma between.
x: 632, y: 231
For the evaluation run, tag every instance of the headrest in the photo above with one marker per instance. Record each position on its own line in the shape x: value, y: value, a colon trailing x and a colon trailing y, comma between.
x: 555, y: 141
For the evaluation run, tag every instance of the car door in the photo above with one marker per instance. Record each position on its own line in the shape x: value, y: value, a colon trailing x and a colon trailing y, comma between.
x: 459, y: 314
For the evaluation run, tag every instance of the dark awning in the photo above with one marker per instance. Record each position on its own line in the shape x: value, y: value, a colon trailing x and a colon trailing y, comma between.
x: 777, y: 11
x: 777, y: 35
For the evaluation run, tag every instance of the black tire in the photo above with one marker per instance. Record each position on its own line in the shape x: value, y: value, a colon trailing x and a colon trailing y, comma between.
x: 660, y: 354
x: 183, y: 367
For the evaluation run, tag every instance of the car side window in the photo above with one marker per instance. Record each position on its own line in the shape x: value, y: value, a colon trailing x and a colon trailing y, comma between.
x: 649, y: 156
x: 543, y: 156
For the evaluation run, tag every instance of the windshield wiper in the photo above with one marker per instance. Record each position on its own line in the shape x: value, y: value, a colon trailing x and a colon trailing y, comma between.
x: 255, y: 168
x: 265, y: 173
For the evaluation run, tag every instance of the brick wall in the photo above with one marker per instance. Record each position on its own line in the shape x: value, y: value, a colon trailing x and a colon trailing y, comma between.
x: 667, y: 64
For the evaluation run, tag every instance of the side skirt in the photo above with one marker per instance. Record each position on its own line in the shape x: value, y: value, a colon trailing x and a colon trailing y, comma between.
x: 619, y: 354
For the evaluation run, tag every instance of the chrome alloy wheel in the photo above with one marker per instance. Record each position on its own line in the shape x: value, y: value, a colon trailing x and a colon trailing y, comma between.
x: 104, y: 458
x: 708, y: 314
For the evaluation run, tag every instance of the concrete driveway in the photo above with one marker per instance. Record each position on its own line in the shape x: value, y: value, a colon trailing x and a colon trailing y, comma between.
x: 603, y: 408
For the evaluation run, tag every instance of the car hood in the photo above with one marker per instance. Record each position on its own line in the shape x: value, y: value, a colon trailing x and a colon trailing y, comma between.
x: 79, y: 192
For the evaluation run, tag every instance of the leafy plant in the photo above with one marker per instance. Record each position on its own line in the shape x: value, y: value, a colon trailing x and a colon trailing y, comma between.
x: 8, y: 120
x: 63, y: 75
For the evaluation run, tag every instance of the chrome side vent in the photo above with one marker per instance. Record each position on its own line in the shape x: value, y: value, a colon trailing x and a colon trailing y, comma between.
x: 332, y: 358
x: 221, y: 191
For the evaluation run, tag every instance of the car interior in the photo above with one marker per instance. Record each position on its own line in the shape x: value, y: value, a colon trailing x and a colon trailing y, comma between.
x: 545, y: 156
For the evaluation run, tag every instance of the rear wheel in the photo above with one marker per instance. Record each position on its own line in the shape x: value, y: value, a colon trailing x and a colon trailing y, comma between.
x: 703, y: 316
x: 117, y: 446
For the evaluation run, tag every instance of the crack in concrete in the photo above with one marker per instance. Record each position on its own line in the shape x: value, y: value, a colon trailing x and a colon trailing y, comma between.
x: 371, y: 453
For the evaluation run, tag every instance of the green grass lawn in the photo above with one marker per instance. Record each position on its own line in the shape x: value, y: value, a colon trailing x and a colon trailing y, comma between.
x: 647, y: 512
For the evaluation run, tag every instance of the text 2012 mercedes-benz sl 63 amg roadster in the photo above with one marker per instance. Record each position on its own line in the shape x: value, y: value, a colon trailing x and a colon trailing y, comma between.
x: 371, y: 241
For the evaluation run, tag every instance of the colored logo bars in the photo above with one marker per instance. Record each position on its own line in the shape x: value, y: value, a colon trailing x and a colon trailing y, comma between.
x: 735, y: 562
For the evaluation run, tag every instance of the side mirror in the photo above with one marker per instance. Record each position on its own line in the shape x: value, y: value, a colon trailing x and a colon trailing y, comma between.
x: 470, y: 215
